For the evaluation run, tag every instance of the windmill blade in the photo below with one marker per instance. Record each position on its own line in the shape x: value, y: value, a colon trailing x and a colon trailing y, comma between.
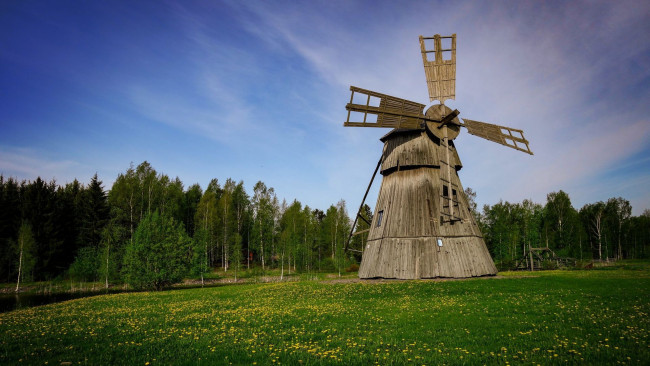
x: 390, y: 112
x: 439, y: 70
x: 507, y: 136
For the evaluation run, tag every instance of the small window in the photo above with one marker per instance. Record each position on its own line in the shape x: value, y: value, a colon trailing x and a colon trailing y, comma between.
x: 439, y: 242
x: 380, y: 214
x: 445, y: 191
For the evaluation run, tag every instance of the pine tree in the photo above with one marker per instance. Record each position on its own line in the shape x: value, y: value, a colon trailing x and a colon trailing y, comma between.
x: 95, y: 213
x: 10, y: 222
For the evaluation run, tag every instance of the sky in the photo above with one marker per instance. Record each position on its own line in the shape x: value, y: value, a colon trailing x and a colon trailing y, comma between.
x: 256, y: 90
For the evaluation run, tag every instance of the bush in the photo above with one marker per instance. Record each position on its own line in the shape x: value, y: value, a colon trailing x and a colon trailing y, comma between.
x: 85, y: 265
x: 505, y: 265
x: 353, y: 268
x: 327, y: 265
x: 549, y: 264
x: 159, y: 254
x: 584, y: 264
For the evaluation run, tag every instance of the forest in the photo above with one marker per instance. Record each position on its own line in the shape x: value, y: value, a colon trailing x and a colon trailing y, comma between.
x: 149, y: 230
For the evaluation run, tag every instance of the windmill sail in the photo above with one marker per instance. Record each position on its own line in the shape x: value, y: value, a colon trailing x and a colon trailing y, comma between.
x: 389, y: 112
x: 507, y: 136
x: 440, y: 71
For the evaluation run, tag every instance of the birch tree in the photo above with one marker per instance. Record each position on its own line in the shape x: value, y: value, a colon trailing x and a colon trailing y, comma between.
x: 226, y: 213
x: 592, y: 216
x: 263, y: 212
x: 25, y: 249
x: 621, y: 210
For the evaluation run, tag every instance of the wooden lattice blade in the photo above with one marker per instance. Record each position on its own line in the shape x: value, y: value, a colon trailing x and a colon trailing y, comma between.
x: 440, y: 67
x: 389, y: 111
x: 507, y: 136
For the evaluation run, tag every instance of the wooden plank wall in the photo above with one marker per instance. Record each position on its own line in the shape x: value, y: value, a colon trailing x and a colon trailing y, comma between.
x: 405, y: 244
x: 414, y: 148
x: 413, y: 258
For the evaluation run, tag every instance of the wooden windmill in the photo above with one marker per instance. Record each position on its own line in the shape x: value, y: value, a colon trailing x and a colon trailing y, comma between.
x: 422, y: 225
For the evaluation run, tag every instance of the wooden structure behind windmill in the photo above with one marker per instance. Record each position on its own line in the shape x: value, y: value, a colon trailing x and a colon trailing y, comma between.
x: 422, y: 226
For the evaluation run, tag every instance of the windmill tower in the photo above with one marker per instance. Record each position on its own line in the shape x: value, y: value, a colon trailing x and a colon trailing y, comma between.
x: 422, y: 226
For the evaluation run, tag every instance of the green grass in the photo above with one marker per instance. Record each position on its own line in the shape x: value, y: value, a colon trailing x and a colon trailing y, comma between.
x: 595, y: 316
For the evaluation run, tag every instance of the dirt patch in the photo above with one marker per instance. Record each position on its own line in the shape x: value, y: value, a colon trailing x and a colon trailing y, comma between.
x: 393, y: 280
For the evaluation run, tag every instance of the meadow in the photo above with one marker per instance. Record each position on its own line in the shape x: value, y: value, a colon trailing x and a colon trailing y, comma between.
x: 597, y: 316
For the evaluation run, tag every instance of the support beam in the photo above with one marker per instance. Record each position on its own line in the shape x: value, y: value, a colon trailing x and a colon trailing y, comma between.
x: 356, y: 217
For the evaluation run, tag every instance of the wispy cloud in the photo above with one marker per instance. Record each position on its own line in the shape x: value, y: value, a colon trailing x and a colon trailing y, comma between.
x: 257, y: 90
x: 27, y: 163
x: 524, y: 66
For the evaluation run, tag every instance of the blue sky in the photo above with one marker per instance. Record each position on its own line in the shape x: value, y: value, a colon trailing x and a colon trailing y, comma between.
x: 257, y: 91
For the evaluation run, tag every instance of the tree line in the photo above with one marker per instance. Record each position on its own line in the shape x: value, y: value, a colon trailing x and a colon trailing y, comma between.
x: 601, y: 231
x: 85, y: 233
x: 149, y: 230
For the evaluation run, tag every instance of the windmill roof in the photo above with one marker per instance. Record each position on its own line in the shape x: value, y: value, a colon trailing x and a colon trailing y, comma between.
x: 399, y: 131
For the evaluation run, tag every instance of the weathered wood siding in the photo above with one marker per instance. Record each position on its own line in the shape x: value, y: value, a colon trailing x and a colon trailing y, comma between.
x: 413, y: 258
x: 405, y: 244
x: 407, y: 149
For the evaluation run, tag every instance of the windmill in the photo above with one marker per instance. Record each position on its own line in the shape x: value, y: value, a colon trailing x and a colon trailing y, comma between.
x: 422, y: 226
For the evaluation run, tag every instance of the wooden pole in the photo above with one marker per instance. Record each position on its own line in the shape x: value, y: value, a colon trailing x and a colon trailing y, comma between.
x: 356, y: 217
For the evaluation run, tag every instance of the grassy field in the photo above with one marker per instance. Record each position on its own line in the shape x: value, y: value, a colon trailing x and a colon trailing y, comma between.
x: 595, y: 316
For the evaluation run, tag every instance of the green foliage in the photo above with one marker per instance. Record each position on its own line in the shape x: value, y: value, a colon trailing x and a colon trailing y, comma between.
x: 86, y: 265
x: 94, y: 212
x: 236, y: 255
x: 206, y: 223
x: 199, y: 265
x: 111, y: 251
x: 549, y: 264
x: 352, y: 268
x: 509, y: 229
x: 327, y: 264
x: 505, y: 264
x: 335, y: 229
x: 470, y: 195
x: 44, y: 212
x: 264, y: 211
x: 159, y: 254
x: 10, y: 222
x: 190, y: 202
x: 561, y: 224
x: 358, y: 242
x: 25, y: 252
x: 66, y: 218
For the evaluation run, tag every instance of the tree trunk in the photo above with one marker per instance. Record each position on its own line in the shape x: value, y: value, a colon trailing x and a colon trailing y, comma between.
x: 108, y: 252
x: 225, y: 236
x: 580, y: 243
x: 205, y: 244
x: 620, y: 250
x: 282, y: 265
x: 262, y: 244
x: 336, y: 233
x: 20, y: 265
x: 600, y: 247
x: 131, y: 211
